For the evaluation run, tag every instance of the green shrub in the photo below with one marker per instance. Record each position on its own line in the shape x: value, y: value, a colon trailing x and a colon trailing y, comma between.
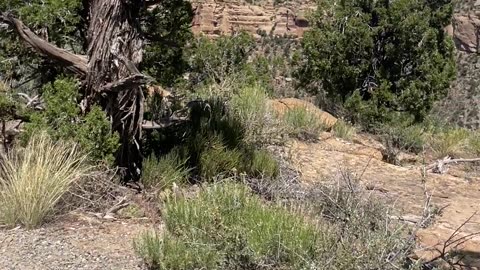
x: 219, y: 138
x: 34, y: 179
x: 410, y: 138
x: 449, y: 142
x: 303, y: 123
x: 215, y: 60
x: 62, y: 120
x: 337, y: 226
x: 344, y: 130
x: 95, y: 135
x: 168, y: 252
x: 263, y: 165
x: 392, y: 57
x: 216, y: 159
x: 249, y: 107
x: 226, y: 227
x: 162, y: 172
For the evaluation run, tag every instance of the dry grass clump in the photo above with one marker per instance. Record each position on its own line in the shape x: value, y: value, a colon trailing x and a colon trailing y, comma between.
x: 344, y: 130
x: 303, y: 123
x: 33, y: 179
x: 449, y: 142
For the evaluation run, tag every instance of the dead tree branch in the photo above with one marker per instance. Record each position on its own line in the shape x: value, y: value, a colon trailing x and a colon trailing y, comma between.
x: 440, y: 165
x: 34, y: 102
x: 452, y: 244
x: 74, y: 62
x: 126, y: 83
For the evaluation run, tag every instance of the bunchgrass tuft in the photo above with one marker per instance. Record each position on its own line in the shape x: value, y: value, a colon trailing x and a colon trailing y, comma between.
x: 303, y: 123
x: 217, y: 159
x: 344, y: 130
x: 34, y: 179
x: 449, y: 142
x: 161, y: 173
x: 264, y: 165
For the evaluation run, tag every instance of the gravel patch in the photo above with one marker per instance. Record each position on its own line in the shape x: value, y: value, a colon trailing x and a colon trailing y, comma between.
x: 105, y: 245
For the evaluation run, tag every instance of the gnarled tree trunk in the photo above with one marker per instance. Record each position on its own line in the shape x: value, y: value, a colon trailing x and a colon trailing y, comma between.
x: 109, y: 70
x: 114, y: 52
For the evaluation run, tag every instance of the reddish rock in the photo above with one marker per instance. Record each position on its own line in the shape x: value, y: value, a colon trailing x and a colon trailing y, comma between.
x: 216, y: 18
x: 466, y: 32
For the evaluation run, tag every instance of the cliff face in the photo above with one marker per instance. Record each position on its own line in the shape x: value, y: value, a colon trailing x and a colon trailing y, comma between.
x: 214, y: 18
x: 466, y: 26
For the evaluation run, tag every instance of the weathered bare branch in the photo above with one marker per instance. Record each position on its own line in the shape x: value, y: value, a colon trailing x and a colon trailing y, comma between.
x: 439, y: 166
x: 126, y: 83
x: 34, y: 102
x: 74, y: 62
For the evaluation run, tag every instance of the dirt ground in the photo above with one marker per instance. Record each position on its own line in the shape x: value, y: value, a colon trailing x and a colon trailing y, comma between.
x: 81, y: 242
x: 457, y: 192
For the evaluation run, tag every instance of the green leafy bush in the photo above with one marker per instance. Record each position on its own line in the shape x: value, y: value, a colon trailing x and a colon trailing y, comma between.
x: 226, y: 227
x: 162, y: 172
x: 62, y: 119
x: 95, y: 136
x: 393, y: 57
x: 216, y: 60
x: 168, y: 26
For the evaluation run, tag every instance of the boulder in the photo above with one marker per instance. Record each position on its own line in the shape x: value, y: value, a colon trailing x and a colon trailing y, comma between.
x: 466, y: 32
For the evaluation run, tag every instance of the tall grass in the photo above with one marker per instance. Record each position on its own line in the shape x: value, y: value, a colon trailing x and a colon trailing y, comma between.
x: 344, y: 130
x: 303, y: 123
x: 249, y: 107
x: 449, y: 142
x: 33, y: 179
x: 163, y: 172
x: 260, y: 123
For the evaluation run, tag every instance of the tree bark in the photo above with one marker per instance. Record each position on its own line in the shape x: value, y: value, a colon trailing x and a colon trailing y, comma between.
x: 114, y: 52
x: 110, y: 71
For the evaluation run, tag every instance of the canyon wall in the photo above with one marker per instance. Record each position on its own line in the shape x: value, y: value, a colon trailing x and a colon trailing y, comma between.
x: 214, y: 18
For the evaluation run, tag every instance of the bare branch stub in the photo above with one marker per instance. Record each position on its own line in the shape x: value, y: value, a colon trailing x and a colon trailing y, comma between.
x: 130, y: 82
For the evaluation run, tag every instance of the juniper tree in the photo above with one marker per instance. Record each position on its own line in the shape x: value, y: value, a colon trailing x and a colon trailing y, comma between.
x: 380, y: 57
x: 102, y: 44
